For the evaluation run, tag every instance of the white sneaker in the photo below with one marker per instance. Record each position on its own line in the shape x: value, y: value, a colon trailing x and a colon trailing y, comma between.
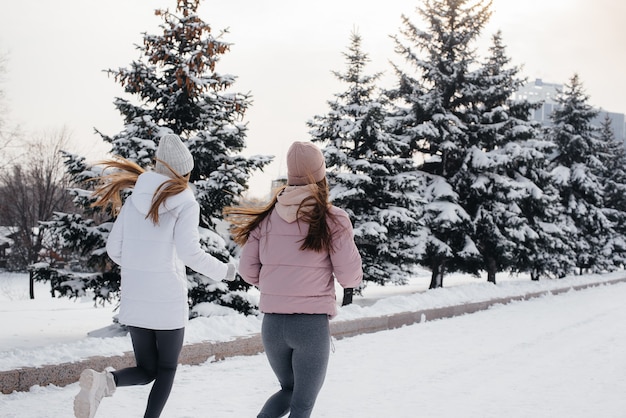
x: 93, y: 387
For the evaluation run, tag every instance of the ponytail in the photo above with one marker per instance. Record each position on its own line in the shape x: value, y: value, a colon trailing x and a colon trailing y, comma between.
x: 109, y: 188
x: 319, y: 238
x: 108, y: 191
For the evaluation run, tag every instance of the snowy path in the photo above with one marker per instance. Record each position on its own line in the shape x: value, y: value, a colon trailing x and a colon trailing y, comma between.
x: 557, y: 356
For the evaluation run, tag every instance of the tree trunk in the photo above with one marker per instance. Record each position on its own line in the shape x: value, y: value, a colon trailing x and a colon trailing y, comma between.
x: 436, y: 278
x: 31, y: 284
x: 491, y: 270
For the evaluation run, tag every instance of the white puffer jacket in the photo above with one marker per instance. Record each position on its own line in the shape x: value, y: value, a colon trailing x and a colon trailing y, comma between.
x: 153, y: 257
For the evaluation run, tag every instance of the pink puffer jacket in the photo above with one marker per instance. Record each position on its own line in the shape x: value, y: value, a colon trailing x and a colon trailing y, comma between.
x: 299, y: 281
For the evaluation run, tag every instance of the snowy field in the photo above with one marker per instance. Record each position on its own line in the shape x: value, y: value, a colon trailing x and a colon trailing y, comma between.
x: 554, y: 356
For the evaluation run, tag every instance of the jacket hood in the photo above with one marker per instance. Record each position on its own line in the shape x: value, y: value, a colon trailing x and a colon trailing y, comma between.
x: 146, y: 185
x: 289, y: 201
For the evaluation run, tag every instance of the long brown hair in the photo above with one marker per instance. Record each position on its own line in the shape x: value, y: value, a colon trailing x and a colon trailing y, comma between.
x: 314, y: 210
x: 125, y: 174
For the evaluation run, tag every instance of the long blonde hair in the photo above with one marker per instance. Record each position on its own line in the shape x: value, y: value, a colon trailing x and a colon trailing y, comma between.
x: 244, y: 219
x: 108, y: 192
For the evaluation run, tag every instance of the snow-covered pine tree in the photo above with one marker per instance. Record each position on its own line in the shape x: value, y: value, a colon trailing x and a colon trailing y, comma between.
x: 504, y: 182
x: 577, y: 169
x: 432, y: 117
x: 614, y: 173
x: 367, y: 175
x: 175, y: 88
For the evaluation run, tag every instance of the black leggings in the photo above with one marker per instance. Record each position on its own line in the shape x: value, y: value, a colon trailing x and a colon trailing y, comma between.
x: 297, y: 347
x: 156, y: 355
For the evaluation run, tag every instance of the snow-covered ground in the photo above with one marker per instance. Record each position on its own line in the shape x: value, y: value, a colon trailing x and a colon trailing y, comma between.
x: 554, y: 356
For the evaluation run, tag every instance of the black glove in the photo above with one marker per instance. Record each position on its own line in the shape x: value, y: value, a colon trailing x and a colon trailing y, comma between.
x: 347, y: 296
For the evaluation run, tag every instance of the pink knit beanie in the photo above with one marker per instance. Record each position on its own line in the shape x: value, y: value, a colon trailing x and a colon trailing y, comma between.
x: 305, y: 164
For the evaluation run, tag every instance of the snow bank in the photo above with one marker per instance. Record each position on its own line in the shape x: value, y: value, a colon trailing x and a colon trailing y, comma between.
x: 225, y: 326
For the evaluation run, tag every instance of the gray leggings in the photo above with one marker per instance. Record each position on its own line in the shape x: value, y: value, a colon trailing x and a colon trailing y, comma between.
x: 297, y: 347
x: 156, y: 355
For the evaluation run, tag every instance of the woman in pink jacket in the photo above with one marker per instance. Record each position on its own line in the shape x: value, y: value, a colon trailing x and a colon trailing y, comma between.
x: 293, y: 250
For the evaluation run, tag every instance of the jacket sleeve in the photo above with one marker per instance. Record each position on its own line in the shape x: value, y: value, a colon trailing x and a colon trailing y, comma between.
x: 250, y: 261
x: 345, y: 256
x: 187, y: 242
x: 115, y: 239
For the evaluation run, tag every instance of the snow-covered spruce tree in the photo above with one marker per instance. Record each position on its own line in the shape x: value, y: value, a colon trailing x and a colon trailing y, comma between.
x: 431, y: 116
x: 176, y: 89
x: 577, y: 168
x: 504, y: 183
x: 367, y: 176
x: 614, y: 173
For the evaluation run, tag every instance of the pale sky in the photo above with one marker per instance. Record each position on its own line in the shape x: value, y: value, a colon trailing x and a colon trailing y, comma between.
x: 283, y: 53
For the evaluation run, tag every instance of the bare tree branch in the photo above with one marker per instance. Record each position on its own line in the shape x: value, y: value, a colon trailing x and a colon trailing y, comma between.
x: 9, y: 136
x: 31, y: 189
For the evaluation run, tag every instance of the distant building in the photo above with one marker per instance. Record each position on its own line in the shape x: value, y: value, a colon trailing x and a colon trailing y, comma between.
x: 6, y: 241
x: 540, y: 91
x: 279, y: 182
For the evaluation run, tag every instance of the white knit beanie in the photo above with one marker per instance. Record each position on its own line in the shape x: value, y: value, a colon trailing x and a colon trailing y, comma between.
x: 172, y: 150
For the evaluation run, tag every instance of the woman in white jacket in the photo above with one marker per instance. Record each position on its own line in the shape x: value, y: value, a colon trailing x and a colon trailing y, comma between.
x: 153, y: 238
